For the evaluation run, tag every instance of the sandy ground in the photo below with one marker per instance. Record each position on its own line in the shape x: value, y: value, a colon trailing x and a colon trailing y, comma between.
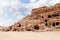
x: 29, y: 35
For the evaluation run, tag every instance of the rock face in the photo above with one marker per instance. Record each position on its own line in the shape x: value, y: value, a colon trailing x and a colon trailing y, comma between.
x: 41, y: 19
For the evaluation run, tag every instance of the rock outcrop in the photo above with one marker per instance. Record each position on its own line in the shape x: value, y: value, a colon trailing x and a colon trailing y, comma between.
x: 41, y: 19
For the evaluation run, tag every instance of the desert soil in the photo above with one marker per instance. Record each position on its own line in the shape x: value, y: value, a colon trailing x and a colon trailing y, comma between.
x: 29, y: 35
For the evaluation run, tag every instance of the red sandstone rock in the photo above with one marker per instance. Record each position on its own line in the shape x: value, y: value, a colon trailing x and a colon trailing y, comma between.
x: 41, y: 19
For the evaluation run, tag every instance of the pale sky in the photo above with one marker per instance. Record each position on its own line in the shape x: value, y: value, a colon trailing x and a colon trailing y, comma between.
x: 13, y: 10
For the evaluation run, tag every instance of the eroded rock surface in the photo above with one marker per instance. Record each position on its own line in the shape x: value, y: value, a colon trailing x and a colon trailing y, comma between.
x: 41, y: 19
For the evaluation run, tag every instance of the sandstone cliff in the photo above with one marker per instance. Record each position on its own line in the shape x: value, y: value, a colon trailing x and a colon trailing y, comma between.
x: 41, y: 19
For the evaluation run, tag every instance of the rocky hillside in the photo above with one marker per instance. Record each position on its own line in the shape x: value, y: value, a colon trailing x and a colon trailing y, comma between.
x: 41, y: 19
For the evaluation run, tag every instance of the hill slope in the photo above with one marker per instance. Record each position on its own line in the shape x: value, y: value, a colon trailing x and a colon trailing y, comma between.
x: 41, y: 19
